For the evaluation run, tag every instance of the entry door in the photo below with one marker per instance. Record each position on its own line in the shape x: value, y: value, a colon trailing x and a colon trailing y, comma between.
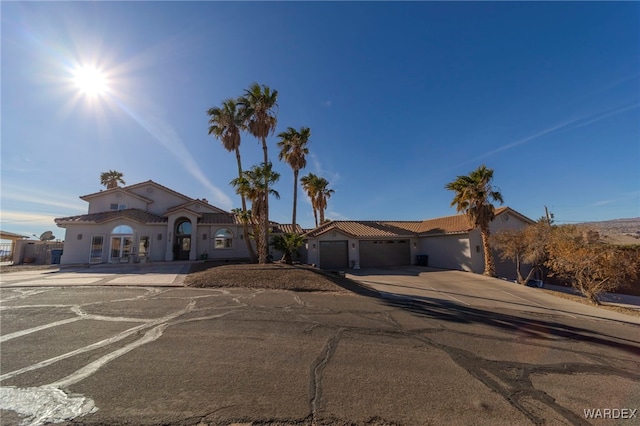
x: 121, y: 248
x: 184, y: 247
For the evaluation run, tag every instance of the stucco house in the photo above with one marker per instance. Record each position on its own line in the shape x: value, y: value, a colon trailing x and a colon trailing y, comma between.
x: 449, y: 242
x: 150, y: 222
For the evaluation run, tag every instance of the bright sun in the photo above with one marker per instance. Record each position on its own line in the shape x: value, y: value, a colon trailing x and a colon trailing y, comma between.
x: 90, y: 81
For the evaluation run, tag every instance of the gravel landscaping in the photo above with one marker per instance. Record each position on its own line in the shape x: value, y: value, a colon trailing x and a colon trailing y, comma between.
x: 275, y: 276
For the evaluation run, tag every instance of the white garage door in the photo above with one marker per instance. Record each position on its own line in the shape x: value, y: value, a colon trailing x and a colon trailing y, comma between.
x: 334, y: 255
x: 381, y: 253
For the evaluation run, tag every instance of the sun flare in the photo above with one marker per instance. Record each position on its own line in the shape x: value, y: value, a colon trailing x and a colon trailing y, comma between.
x: 90, y: 81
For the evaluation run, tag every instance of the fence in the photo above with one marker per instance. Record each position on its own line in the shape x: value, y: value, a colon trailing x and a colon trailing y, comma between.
x: 37, y: 252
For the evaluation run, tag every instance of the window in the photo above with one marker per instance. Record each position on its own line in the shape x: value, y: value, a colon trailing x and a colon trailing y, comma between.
x: 184, y: 228
x: 224, y: 239
x: 96, y: 249
x: 122, y: 229
x: 116, y: 206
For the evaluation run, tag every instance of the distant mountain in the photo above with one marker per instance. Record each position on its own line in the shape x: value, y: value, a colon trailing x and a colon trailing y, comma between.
x: 617, y: 231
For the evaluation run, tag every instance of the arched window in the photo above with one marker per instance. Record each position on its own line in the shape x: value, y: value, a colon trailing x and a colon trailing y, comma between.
x: 223, y: 239
x: 184, y: 228
x: 122, y: 229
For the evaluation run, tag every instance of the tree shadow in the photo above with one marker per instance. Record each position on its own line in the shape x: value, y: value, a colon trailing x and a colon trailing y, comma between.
x: 548, y: 330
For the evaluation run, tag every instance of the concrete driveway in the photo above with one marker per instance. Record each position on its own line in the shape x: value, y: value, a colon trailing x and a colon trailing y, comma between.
x: 474, y: 290
x: 157, y: 274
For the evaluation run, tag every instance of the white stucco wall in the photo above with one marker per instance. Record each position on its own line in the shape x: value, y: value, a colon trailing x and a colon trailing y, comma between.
x: 103, y: 203
x: 207, y: 244
x: 77, y: 247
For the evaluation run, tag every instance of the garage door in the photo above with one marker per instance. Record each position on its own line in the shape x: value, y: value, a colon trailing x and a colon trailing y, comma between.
x: 379, y: 253
x: 334, y: 254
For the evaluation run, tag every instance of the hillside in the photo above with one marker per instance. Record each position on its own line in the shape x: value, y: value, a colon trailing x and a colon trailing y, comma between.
x: 617, y: 231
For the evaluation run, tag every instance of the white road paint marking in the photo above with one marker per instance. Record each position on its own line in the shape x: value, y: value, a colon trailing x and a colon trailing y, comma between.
x: 94, y: 366
x: 44, y: 404
x: 99, y: 344
x: 36, y: 329
x: 23, y: 294
x: 49, y: 403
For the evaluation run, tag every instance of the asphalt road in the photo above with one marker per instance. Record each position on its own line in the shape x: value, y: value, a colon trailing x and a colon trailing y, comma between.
x: 466, y: 350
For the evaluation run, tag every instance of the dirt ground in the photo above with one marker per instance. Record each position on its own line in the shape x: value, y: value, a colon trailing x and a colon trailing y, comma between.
x: 275, y: 276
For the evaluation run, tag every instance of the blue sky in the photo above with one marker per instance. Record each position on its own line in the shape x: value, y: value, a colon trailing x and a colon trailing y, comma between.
x: 400, y: 97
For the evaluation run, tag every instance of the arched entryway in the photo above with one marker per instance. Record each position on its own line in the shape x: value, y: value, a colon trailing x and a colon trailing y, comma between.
x: 121, y: 244
x: 182, y: 243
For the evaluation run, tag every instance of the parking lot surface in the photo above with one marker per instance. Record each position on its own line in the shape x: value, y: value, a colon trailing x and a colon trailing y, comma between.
x: 141, y: 354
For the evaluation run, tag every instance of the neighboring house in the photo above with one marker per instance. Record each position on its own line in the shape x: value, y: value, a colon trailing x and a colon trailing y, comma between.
x: 449, y: 242
x: 150, y: 222
x: 7, y: 249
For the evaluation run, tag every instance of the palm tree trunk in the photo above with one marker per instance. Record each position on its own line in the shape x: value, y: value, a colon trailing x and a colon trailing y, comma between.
x: 295, y: 197
x: 245, y: 225
x: 321, y: 215
x: 489, y: 265
x: 262, y: 252
x: 315, y: 215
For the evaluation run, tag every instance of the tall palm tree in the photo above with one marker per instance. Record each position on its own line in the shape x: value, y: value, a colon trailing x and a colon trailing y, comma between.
x: 225, y: 123
x: 310, y: 186
x: 473, y: 196
x: 258, y: 107
x: 111, y: 179
x: 255, y: 184
x: 324, y: 193
x: 293, y: 150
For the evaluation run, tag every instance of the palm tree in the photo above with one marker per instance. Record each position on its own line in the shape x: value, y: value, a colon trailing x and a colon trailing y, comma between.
x: 293, y: 149
x: 258, y: 105
x: 310, y: 186
x: 288, y: 244
x: 473, y: 196
x: 255, y: 184
x: 111, y: 179
x: 225, y: 123
x: 324, y: 193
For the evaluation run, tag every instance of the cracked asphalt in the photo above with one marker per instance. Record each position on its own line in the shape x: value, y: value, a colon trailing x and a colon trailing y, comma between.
x: 143, y: 355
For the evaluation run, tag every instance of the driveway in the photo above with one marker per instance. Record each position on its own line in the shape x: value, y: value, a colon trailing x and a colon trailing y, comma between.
x: 473, y: 290
x: 119, y: 354
x: 157, y: 274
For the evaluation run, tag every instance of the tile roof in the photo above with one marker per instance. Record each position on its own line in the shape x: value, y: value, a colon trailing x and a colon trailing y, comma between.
x: 368, y: 228
x: 114, y: 190
x: 142, y: 216
x: 457, y: 224
x: 219, y: 218
x: 137, y: 215
x: 287, y: 228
